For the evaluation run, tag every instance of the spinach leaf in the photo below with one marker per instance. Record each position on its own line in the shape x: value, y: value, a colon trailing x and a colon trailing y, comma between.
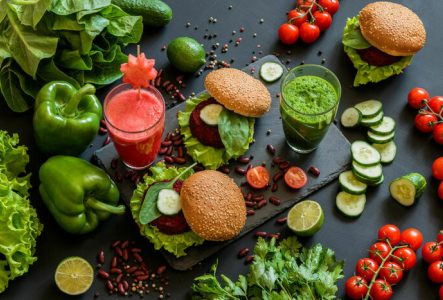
x: 234, y: 132
x: 352, y: 36
x: 67, y: 7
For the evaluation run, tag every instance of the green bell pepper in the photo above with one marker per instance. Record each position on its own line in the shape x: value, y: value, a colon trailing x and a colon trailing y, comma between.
x: 77, y: 193
x: 66, y: 120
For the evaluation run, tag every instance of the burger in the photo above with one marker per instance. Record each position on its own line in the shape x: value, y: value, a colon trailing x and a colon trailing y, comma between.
x: 218, y: 125
x: 382, y: 40
x: 176, y: 208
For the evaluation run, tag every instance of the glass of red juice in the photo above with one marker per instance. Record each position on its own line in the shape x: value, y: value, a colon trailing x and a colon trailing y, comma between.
x: 136, y: 121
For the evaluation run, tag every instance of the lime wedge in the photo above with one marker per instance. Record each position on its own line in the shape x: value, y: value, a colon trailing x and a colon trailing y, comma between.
x: 305, y: 218
x: 74, y: 275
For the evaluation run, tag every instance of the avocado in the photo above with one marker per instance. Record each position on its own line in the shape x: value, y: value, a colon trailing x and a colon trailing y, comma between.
x: 155, y: 13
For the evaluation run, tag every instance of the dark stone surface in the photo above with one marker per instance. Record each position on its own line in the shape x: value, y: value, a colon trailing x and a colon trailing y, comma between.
x: 334, y: 145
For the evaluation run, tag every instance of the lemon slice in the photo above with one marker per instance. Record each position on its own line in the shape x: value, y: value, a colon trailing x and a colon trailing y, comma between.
x: 74, y: 275
x: 305, y: 218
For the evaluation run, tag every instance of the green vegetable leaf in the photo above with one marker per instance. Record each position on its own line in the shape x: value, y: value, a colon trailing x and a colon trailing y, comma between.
x: 11, y: 81
x: 3, y: 9
x: 352, y: 36
x: 67, y: 7
x: 122, y: 25
x: 149, y: 211
x: 30, y: 13
x: 234, y: 132
x: 48, y: 71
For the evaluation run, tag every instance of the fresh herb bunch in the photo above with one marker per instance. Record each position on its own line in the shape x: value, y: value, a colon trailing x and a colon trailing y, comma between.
x: 279, y: 271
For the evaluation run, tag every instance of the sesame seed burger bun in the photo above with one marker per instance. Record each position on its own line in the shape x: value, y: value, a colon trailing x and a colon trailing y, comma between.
x: 213, y: 205
x: 239, y: 92
x: 392, y: 28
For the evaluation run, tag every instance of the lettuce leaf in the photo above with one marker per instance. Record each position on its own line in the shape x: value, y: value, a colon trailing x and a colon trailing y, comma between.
x: 234, y: 132
x: 365, y: 72
x: 175, y: 244
x: 210, y: 157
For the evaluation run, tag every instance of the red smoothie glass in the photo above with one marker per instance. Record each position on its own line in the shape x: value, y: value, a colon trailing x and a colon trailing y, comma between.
x: 136, y: 121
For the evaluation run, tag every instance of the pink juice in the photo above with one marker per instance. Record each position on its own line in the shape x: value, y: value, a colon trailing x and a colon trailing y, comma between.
x: 136, y: 122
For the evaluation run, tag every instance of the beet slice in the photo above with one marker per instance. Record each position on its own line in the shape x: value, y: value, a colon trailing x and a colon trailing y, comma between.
x: 205, y: 134
x: 375, y: 57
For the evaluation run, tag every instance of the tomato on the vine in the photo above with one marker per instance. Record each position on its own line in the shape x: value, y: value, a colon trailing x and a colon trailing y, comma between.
x: 356, y: 287
x: 417, y: 96
x: 258, y: 177
x: 437, y: 134
x: 297, y: 17
x: 366, y: 268
x: 436, y: 104
x: 331, y: 6
x: 412, y: 237
x: 435, y: 271
x: 309, y: 33
x: 391, y: 272
x: 405, y: 257
x: 440, y: 236
x: 431, y: 252
x: 288, y: 33
x: 437, y: 168
x: 381, y: 290
x: 323, y: 20
x: 425, y: 122
x: 379, y: 251
x: 306, y: 4
x: 389, y: 232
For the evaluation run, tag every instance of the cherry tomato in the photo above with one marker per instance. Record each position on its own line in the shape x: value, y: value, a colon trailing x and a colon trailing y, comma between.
x: 391, y: 272
x: 258, y: 177
x: 379, y: 251
x: 425, y: 122
x: 323, y: 20
x: 405, y: 257
x: 309, y: 33
x: 437, y: 168
x: 416, y: 97
x: 435, y: 272
x: 412, y: 237
x: 288, y: 33
x: 331, y: 6
x: 295, y: 178
x: 381, y: 290
x: 436, y: 104
x: 440, y: 194
x: 389, y: 232
x: 306, y: 4
x: 297, y: 17
x: 440, y: 236
x: 437, y: 134
x: 365, y: 268
x: 440, y: 292
x: 356, y: 287
x: 431, y: 252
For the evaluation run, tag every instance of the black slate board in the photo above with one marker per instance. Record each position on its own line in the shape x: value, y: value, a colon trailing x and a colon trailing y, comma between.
x: 332, y: 157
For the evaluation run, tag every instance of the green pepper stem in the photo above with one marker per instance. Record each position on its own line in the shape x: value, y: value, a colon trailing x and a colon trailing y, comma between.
x: 98, y: 205
x: 73, y: 103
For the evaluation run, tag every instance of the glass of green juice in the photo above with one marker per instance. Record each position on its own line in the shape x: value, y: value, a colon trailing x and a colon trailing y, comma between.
x: 310, y: 95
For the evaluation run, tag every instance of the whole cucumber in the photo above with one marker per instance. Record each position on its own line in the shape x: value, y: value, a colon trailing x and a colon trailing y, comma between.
x: 155, y: 13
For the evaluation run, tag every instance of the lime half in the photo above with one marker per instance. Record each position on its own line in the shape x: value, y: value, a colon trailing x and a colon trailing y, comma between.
x: 74, y: 275
x: 306, y: 218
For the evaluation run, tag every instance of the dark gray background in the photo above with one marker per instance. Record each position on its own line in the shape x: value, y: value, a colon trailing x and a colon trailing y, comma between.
x: 349, y: 238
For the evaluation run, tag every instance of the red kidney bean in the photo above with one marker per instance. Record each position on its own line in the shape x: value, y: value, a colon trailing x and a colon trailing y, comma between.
x: 131, y: 270
x: 136, y: 250
x: 102, y: 131
x: 180, y: 160
x: 125, y: 285
x: 281, y: 220
x: 249, y: 259
x: 168, y: 136
x: 169, y: 159
x: 258, y: 198
x: 115, y: 271
x: 169, y: 151
x: 276, y: 160
x: 161, y: 269
x: 109, y: 285
x: 121, y: 289
x: 248, y: 168
x: 114, y: 262
x: 166, y: 83
x: 106, y: 141
x: 274, y: 187
x: 243, y: 252
x: 270, y: 148
x: 158, y: 81
x: 240, y: 170
x: 314, y: 171
x: 166, y: 143
x: 283, y: 165
x: 139, y: 273
x: 119, y: 251
x: 143, y: 277
x: 181, y: 97
x: 180, y: 152
x: 261, y: 234
x: 224, y: 169
x: 116, y: 243
x: 101, y: 257
x: 114, y: 164
x: 244, y: 159
x: 170, y: 87
x: 138, y: 257
x: 162, y: 150
x: 103, y: 123
x: 119, y: 278
x: 262, y: 203
x: 274, y: 235
x: 274, y: 200
x: 125, y: 255
x: 178, y: 142
x: 250, y: 212
x: 277, y: 176
x: 103, y: 274
x: 249, y: 204
x: 249, y: 197
x: 176, y: 136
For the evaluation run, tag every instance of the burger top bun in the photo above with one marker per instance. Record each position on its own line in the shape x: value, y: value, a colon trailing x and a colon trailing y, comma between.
x: 392, y: 28
x: 239, y: 92
x: 213, y: 205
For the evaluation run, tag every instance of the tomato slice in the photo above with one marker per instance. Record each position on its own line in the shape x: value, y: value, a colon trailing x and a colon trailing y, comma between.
x: 296, y: 178
x: 258, y: 177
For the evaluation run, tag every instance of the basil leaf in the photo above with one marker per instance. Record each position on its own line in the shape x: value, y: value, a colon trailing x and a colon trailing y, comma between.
x: 352, y: 36
x: 234, y: 132
x: 149, y: 211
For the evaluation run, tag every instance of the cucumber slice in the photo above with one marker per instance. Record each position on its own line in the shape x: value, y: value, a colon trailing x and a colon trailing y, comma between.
x: 380, y: 139
x: 386, y: 127
x: 271, y: 71
x: 370, y: 173
x: 366, y: 180
x: 211, y: 113
x: 351, y: 117
x: 407, y: 188
x: 378, y: 182
x: 365, y: 154
x: 350, y: 184
x: 387, y: 151
x: 373, y: 121
x: 350, y: 205
x: 369, y: 108
x: 168, y: 202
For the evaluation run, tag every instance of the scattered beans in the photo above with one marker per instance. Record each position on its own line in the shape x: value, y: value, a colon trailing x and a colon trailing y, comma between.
x: 277, y: 176
x: 119, y: 251
x: 249, y: 259
x: 249, y: 204
x: 250, y: 212
x: 271, y: 149
x: 161, y: 269
x: 261, y: 234
x: 274, y: 200
x: 283, y: 165
x: 243, y: 252
x: 109, y: 285
x: 257, y: 198
x: 240, y: 170
x: 244, y: 159
x: 262, y: 203
x: 281, y: 220
x: 314, y: 171
x: 179, y: 160
x: 114, y: 262
x: 274, y: 187
x: 101, y: 257
x: 169, y: 159
x: 116, y: 243
x: 116, y: 271
x: 224, y: 169
x: 103, y: 274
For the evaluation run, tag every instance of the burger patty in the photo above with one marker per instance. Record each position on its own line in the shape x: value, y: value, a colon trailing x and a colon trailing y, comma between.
x: 378, y: 58
x: 205, y: 134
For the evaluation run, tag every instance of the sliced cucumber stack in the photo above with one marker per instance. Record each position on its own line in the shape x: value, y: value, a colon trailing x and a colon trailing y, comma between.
x: 373, y: 121
x: 369, y: 108
x: 351, y: 117
x: 386, y: 127
x: 387, y: 151
x: 350, y: 184
x: 271, y: 71
x: 408, y: 188
x: 350, y: 205
x: 364, y: 154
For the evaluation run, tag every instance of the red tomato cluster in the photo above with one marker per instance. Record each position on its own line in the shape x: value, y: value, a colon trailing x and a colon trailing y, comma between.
x: 429, y: 116
x: 307, y: 20
x: 432, y: 253
x: 388, y: 258
x: 437, y: 173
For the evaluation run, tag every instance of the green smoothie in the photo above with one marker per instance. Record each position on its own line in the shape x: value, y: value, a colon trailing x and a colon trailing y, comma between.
x: 307, y: 109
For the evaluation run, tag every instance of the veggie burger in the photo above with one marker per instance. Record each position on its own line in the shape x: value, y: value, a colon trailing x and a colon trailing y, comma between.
x: 218, y: 125
x: 187, y: 208
x: 382, y: 40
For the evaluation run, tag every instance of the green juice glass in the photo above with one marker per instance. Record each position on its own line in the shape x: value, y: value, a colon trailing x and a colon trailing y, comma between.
x: 310, y: 95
